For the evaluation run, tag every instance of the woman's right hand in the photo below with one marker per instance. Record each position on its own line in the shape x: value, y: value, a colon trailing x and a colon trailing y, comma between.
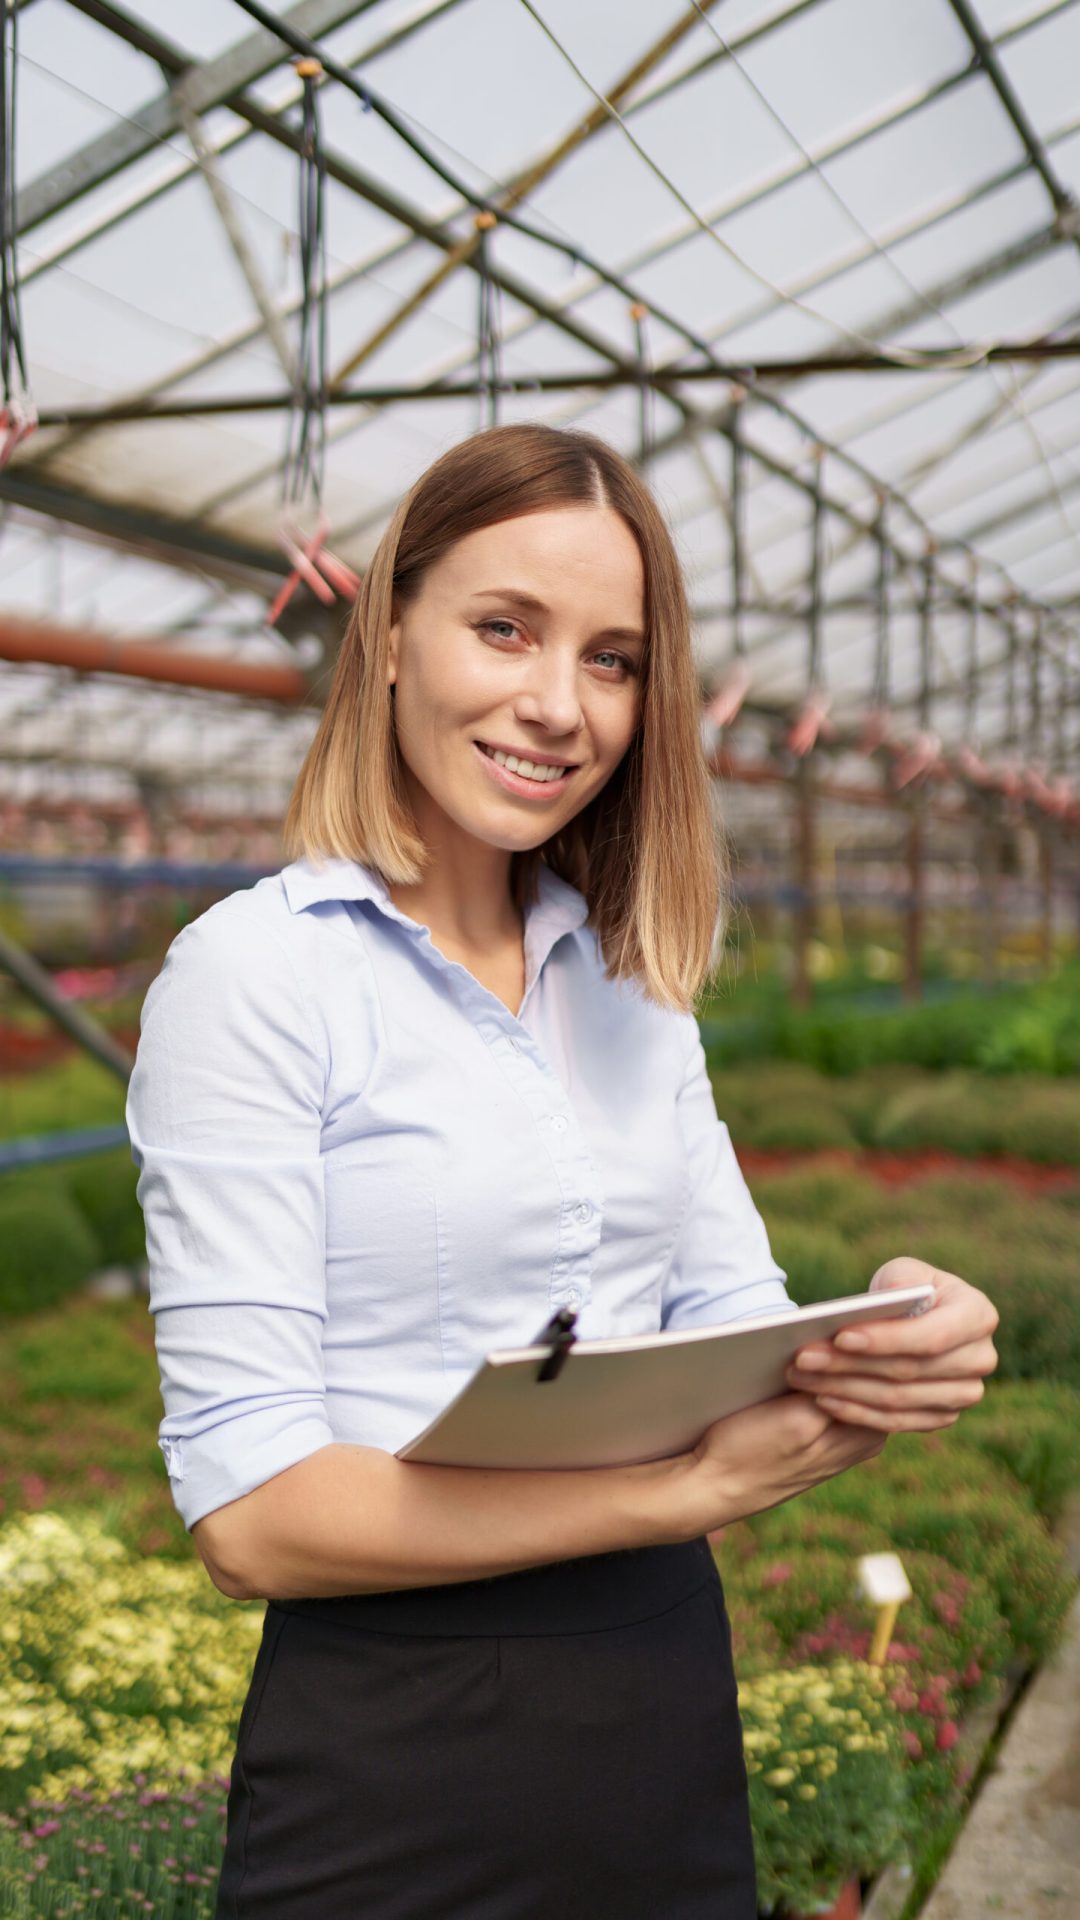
x: 769, y: 1452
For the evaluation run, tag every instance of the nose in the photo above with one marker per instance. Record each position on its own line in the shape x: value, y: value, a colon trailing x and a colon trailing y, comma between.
x: 549, y: 697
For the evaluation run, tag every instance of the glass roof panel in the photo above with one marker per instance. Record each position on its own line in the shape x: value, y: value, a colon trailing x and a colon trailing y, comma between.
x: 75, y: 81
x: 1042, y: 67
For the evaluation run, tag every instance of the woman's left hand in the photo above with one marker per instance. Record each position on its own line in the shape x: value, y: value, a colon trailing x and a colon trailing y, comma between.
x: 916, y: 1372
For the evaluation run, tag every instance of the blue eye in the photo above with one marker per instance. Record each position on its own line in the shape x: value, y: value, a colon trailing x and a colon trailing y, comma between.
x: 488, y: 626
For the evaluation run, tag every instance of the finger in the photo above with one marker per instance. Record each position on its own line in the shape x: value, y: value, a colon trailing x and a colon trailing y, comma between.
x: 977, y: 1357
x: 870, y: 1391
x: 887, y: 1420
x: 959, y: 1315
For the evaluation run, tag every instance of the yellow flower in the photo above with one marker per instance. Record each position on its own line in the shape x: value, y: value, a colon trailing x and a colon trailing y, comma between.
x: 780, y: 1776
x: 807, y: 1792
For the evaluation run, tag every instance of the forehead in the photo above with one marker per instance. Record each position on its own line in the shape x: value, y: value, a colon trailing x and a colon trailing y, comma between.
x: 584, y: 559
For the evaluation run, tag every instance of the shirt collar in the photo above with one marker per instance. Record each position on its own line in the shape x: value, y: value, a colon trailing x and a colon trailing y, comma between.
x: 560, y: 907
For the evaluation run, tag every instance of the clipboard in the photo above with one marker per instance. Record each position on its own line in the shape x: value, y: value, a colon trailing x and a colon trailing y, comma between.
x: 635, y: 1397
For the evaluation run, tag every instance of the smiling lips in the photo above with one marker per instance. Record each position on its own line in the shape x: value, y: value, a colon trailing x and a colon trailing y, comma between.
x: 526, y: 778
x: 542, y: 772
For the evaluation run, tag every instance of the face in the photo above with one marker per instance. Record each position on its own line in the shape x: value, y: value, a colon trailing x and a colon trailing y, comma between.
x: 526, y: 638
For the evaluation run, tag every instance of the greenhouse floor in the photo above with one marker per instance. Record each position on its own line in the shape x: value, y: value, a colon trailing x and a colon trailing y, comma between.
x: 1019, y: 1852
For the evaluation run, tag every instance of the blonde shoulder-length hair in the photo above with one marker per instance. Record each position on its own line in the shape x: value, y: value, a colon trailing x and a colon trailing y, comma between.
x: 648, y: 851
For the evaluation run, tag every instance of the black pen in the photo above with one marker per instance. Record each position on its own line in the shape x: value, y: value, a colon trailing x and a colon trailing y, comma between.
x: 559, y: 1336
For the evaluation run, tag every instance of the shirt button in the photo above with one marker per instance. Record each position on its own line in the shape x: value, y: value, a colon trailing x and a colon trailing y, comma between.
x: 557, y: 1122
x: 573, y: 1296
x: 583, y: 1212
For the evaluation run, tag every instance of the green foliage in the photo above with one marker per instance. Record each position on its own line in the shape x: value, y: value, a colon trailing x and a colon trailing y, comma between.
x: 949, y: 1631
x: 78, y: 1092
x: 147, y: 1850
x: 806, y: 1124
x: 97, y: 1366
x: 831, y: 1229
x: 49, y: 1246
x: 781, y: 1103
x: 103, y: 1185
x: 1007, y: 1030
x: 1031, y: 1428
x: 81, y: 1404
x: 819, y: 1262
x: 112, y: 1664
x: 828, y: 1780
x: 961, y: 1506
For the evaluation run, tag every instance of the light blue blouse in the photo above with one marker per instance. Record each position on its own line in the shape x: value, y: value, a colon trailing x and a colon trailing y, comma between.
x: 360, y: 1172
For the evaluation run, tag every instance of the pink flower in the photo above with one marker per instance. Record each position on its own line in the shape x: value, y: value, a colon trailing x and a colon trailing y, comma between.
x: 972, y: 1673
x: 46, y: 1827
x: 912, y: 1743
x: 948, y: 1735
x: 775, y: 1575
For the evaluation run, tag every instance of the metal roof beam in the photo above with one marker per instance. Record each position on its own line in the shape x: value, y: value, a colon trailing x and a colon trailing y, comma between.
x: 986, y: 53
x: 518, y: 190
x: 154, y: 533
x: 214, y: 83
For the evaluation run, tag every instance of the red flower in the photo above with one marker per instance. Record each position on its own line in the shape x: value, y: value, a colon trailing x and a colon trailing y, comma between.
x: 948, y: 1735
x: 912, y: 1743
x: 972, y: 1673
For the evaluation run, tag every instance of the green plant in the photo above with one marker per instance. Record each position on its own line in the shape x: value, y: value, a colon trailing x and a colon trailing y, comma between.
x: 142, y: 1850
x: 827, y: 1777
x: 111, y: 1665
x: 49, y: 1246
x: 819, y: 1263
x: 103, y: 1186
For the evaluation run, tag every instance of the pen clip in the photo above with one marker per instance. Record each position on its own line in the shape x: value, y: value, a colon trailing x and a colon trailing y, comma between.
x: 559, y: 1335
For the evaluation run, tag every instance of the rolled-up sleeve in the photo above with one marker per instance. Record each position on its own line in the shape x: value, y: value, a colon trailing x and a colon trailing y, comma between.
x: 223, y: 1113
x: 722, y: 1267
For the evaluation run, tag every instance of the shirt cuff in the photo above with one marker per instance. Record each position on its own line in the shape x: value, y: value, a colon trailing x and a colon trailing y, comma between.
x: 224, y: 1462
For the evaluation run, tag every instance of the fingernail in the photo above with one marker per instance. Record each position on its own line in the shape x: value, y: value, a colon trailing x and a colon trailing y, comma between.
x: 852, y: 1339
x: 810, y: 1357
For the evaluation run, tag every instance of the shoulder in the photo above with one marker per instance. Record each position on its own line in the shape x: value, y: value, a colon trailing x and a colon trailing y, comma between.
x: 628, y: 1018
x: 247, y: 950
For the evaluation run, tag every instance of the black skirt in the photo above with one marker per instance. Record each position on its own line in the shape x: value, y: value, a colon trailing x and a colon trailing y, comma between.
x: 562, y: 1743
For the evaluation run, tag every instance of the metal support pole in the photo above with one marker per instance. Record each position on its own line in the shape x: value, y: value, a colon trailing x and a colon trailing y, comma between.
x: 1035, y: 717
x: 989, y: 874
x: 738, y: 490
x: 805, y: 915
x: 916, y: 913
x: 1046, y: 883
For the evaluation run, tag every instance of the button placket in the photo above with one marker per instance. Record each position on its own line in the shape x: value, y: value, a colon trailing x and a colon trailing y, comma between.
x: 525, y: 1065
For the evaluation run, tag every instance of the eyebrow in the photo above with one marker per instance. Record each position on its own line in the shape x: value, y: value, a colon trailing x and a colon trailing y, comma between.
x: 535, y: 605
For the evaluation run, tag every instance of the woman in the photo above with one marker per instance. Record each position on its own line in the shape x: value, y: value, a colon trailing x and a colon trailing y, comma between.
x: 393, y: 1107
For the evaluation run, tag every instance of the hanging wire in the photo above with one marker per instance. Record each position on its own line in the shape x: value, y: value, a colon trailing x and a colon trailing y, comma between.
x: 926, y: 633
x: 971, y: 685
x: 817, y: 529
x: 882, y: 675
x: 738, y: 549
x: 646, y: 397
x: 19, y: 416
x: 305, y: 447
x: 488, y: 326
x: 1010, y: 680
x: 1034, y: 748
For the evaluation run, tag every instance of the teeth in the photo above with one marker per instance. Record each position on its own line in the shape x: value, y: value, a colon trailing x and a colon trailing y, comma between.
x: 531, y: 769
